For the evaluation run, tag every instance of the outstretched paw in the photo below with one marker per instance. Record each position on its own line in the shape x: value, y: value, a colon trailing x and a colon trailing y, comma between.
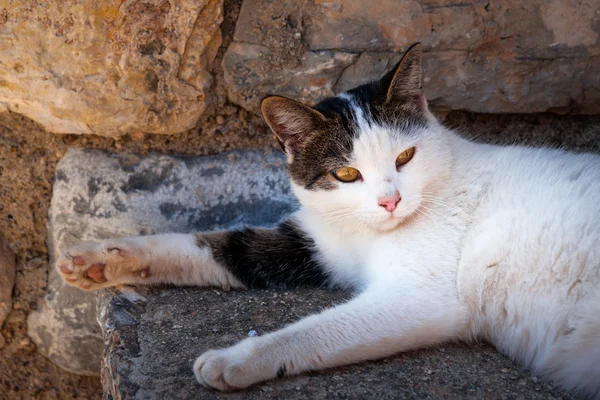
x: 94, y: 266
x: 232, y: 368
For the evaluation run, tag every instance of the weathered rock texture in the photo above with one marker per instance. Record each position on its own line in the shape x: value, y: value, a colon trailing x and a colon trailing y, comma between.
x: 508, y: 56
x: 125, y: 66
x: 108, y: 67
x: 7, y: 281
x: 99, y: 195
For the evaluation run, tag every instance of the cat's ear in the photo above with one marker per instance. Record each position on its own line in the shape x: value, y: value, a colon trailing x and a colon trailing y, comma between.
x: 291, y: 122
x: 405, y: 82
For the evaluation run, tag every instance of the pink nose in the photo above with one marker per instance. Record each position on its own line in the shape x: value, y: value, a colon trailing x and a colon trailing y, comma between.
x: 389, y: 202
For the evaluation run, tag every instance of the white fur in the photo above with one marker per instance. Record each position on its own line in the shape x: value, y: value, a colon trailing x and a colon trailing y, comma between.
x: 505, y: 239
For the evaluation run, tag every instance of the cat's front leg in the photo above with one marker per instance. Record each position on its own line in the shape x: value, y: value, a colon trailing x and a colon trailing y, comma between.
x: 251, y: 258
x: 376, y: 324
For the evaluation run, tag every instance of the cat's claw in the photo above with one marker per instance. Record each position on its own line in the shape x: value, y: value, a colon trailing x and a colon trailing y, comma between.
x: 94, y: 266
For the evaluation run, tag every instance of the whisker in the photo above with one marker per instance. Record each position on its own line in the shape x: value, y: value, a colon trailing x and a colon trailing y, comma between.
x: 339, y: 211
x: 434, y: 214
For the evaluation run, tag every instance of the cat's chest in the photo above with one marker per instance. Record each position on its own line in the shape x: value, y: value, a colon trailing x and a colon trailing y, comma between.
x: 399, y: 257
x: 416, y: 256
x: 419, y: 251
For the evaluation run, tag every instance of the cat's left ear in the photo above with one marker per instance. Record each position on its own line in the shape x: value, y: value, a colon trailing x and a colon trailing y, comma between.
x: 405, y: 83
x: 292, y: 122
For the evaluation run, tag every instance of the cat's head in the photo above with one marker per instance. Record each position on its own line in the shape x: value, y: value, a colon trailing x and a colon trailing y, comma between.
x: 368, y: 157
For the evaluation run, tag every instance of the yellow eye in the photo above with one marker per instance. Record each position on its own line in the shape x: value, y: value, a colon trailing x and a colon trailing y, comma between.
x: 405, y: 156
x: 346, y: 174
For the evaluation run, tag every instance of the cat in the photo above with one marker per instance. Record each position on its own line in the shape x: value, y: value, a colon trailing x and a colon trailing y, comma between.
x: 441, y: 238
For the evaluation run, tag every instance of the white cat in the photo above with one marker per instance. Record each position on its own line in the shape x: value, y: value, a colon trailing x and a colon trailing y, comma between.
x: 442, y: 239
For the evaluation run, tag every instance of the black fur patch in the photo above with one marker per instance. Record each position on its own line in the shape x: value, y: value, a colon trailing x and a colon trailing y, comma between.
x: 327, y: 149
x: 265, y: 258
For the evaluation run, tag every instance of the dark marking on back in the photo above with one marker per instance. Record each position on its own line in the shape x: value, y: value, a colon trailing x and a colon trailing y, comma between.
x: 267, y: 258
x: 118, y: 204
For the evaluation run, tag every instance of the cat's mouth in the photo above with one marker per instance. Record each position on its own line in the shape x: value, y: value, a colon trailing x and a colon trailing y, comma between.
x: 389, y: 222
x: 393, y: 219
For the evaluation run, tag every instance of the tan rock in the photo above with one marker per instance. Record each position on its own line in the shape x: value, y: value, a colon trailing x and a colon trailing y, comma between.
x: 508, y: 56
x: 7, y: 280
x: 108, y: 67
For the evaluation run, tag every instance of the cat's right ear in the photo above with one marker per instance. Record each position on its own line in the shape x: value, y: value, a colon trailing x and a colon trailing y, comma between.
x: 404, y: 84
x: 291, y: 122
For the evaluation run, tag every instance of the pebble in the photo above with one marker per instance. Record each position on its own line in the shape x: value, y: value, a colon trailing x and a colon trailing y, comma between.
x: 138, y: 136
x: 26, y: 344
x: 18, y: 317
x: 252, y: 333
x: 161, y: 316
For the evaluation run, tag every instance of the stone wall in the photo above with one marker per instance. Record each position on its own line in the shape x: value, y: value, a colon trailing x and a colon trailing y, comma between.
x: 127, y: 66
x: 108, y: 67
x: 493, y: 57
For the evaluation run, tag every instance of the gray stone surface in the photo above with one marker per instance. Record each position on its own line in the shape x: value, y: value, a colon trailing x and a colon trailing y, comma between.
x: 484, y: 56
x: 99, y: 195
x: 7, y: 281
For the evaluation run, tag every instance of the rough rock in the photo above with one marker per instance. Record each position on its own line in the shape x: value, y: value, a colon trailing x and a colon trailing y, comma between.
x: 509, y: 56
x: 7, y: 281
x: 99, y: 195
x: 108, y: 67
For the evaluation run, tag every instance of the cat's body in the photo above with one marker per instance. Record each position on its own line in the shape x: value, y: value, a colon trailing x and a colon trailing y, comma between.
x: 513, y: 236
x: 453, y: 240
